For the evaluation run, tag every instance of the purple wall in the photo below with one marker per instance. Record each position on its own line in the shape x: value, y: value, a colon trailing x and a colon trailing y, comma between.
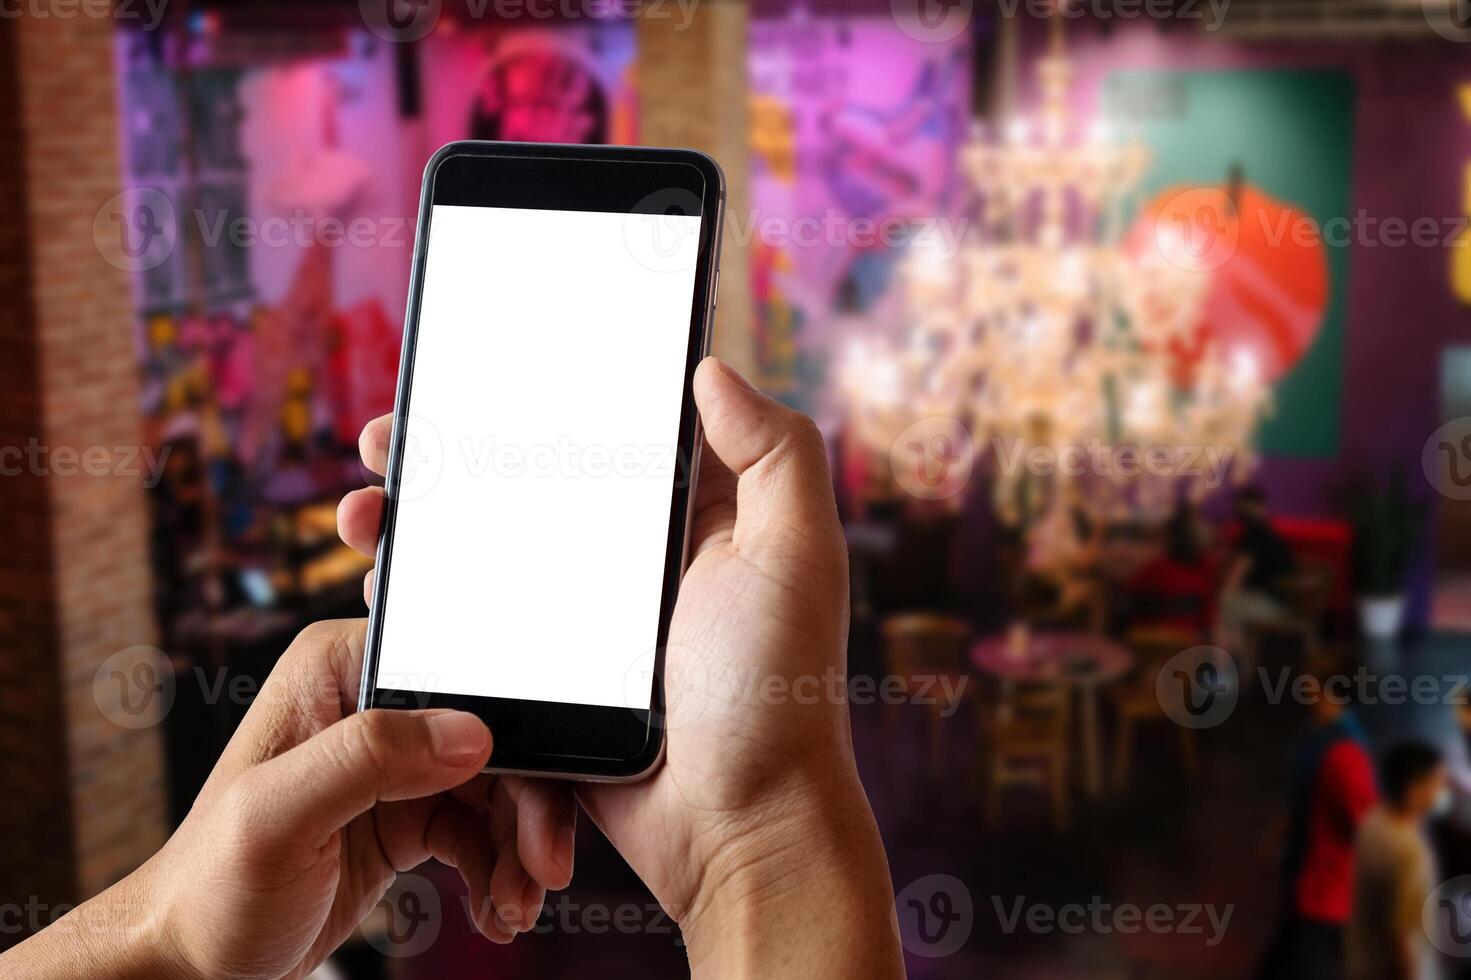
x: 1412, y: 149
x: 1413, y: 145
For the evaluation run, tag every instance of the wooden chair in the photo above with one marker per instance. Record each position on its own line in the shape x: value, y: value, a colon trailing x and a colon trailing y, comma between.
x: 1026, y: 733
x: 925, y: 649
x: 1136, y: 701
x: 1307, y: 596
x: 1038, y: 601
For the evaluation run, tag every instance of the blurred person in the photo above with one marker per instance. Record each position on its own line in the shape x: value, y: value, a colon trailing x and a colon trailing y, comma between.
x: 1252, y: 591
x: 1176, y: 588
x: 1332, y: 790
x: 762, y: 848
x: 1451, y: 834
x: 1062, y: 558
x: 1395, y: 871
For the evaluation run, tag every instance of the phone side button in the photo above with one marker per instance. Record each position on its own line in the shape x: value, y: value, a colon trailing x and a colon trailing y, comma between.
x: 715, y: 293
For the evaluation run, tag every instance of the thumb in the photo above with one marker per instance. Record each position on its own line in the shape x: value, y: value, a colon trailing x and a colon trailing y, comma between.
x: 318, y: 787
x: 778, y: 456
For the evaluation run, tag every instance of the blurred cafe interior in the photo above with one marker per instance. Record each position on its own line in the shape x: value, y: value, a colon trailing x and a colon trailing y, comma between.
x: 1139, y: 330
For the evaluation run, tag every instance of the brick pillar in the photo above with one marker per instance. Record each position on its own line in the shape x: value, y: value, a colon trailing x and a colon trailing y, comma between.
x: 82, y: 801
x: 692, y: 92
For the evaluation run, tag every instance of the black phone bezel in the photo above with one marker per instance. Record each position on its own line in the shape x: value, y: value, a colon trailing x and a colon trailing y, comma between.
x: 545, y: 737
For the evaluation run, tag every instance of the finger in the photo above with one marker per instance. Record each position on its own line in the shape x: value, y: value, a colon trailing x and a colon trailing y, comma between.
x: 368, y: 588
x: 517, y: 897
x: 546, y: 828
x: 620, y: 811
x: 451, y: 827
x: 456, y: 836
x: 373, y: 444
x: 714, y: 517
x: 358, y: 517
x: 778, y: 457
x: 313, y: 685
x: 307, y: 794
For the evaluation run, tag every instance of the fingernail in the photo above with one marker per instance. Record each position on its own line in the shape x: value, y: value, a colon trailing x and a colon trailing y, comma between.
x: 735, y: 375
x: 459, y: 738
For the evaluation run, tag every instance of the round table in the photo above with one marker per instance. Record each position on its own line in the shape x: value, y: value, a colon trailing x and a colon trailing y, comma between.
x: 1082, y: 661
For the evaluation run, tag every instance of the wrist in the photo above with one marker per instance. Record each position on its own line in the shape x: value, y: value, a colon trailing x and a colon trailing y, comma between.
x: 803, y: 890
x: 133, y: 933
x: 120, y: 933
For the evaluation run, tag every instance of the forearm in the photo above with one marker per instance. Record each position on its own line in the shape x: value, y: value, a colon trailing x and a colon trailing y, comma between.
x: 118, y: 935
x: 809, y: 897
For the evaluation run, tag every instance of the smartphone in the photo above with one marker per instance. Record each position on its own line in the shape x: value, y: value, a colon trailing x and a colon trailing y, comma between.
x: 545, y: 447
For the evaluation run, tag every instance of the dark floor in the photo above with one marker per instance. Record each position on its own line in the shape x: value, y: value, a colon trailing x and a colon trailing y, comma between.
x: 1183, y: 846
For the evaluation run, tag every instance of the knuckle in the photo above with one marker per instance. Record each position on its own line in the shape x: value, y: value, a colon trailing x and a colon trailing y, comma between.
x: 373, y: 738
x: 373, y: 440
x: 368, y: 438
x: 333, y: 642
x: 315, y: 636
x: 807, y: 429
x: 799, y: 440
x: 302, y: 656
x: 808, y: 442
x: 238, y: 805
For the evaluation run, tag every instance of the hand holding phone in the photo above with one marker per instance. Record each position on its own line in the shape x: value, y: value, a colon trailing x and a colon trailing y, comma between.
x: 532, y: 602
x: 755, y: 834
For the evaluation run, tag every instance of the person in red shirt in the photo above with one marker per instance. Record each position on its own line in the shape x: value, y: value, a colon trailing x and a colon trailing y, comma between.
x: 1176, y: 589
x: 1332, y: 790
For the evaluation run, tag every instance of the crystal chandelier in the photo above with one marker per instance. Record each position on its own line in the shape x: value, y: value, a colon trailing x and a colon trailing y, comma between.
x: 1057, y: 334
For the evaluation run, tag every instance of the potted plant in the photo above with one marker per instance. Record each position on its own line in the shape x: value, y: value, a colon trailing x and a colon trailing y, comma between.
x: 1385, y: 525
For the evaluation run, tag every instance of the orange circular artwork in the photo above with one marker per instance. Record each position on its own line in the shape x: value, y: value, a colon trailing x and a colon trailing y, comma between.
x: 1268, y: 266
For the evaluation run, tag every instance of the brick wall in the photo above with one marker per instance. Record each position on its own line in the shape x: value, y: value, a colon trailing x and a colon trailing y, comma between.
x: 84, y: 801
x: 34, y: 812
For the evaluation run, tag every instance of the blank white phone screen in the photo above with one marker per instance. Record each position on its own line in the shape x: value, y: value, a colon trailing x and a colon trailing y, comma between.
x: 538, y: 472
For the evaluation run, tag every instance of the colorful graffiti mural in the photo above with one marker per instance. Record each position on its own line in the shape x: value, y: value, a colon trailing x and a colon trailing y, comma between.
x: 269, y: 328
x: 846, y: 161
